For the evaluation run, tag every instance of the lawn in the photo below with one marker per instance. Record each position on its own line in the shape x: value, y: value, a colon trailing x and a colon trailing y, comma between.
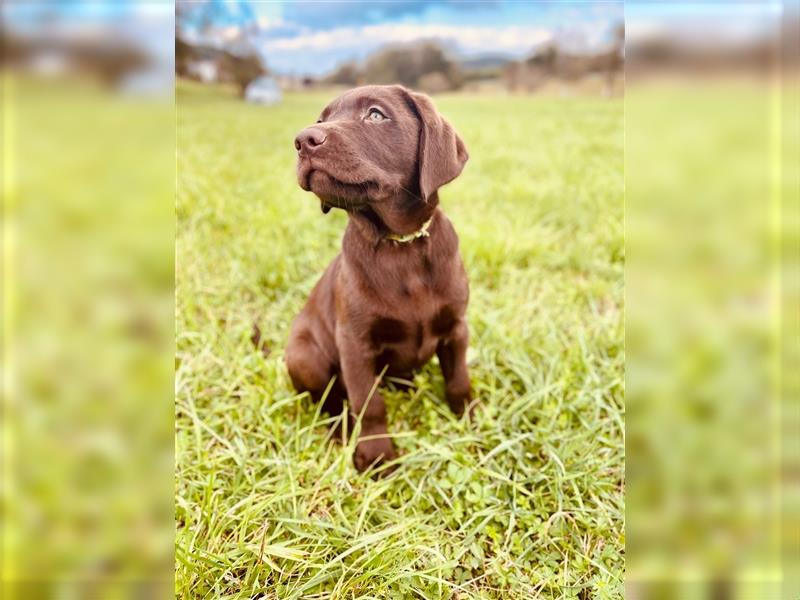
x: 524, y: 502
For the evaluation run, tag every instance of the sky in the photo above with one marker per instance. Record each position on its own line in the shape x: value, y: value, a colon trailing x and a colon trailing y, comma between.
x: 313, y: 37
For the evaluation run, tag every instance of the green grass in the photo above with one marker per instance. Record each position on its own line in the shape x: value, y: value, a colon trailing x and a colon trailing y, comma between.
x: 525, y: 502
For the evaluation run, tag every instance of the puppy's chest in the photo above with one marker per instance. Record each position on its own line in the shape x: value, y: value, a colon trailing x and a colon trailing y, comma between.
x: 416, y: 291
x: 417, y: 309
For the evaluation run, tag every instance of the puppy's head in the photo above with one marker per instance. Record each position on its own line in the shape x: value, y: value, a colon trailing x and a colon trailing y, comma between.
x: 378, y: 144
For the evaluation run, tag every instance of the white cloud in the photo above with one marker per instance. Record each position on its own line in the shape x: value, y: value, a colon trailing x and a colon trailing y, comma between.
x: 266, y: 23
x: 229, y: 33
x: 153, y: 9
x: 513, y: 39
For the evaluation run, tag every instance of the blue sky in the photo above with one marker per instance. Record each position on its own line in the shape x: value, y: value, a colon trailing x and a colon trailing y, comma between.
x: 312, y: 37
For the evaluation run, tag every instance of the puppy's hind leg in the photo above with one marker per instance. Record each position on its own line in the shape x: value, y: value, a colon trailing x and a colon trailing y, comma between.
x: 311, y: 371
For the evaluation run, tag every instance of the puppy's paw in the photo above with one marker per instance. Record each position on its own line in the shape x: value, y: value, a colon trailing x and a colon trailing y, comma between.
x: 374, y: 453
x: 461, y: 402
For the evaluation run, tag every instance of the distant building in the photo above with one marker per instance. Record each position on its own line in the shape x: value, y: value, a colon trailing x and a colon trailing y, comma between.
x: 206, y: 71
x: 264, y: 90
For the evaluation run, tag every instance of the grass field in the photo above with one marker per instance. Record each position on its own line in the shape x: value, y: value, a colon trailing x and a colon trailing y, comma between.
x: 525, y: 502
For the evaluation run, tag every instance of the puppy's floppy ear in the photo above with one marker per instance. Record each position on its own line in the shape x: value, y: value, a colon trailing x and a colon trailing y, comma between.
x: 442, y: 154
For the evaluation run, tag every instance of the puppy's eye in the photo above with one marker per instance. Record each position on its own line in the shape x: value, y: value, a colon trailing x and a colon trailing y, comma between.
x: 375, y: 115
x: 319, y: 120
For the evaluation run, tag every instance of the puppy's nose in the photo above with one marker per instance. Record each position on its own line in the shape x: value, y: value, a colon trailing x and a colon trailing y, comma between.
x: 309, y: 139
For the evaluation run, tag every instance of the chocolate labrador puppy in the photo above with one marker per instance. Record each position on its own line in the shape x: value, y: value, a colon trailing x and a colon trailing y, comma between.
x: 398, y: 291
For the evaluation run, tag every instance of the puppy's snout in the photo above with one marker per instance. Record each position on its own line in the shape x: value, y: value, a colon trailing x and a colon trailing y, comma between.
x: 309, y: 139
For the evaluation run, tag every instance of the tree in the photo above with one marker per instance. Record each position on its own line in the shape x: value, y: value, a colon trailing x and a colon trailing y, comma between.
x: 345, y: 74
x: 407, y: 65
x: 434, y: 83
x: 241, y: 70
x: 184, y: 54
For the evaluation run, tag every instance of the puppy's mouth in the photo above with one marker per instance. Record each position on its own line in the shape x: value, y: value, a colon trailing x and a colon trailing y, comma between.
x: 313, y: 177
x: 333, y: 192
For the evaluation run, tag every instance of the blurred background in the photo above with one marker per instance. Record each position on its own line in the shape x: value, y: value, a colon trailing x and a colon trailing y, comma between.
x: 88, y: 235
x: 263, y: 48
x: 712, y: 423
x: 711, y: 249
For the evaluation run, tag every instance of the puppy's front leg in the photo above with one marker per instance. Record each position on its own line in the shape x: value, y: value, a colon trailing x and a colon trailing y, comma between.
x: 358, y: 372
x: 452, y: 353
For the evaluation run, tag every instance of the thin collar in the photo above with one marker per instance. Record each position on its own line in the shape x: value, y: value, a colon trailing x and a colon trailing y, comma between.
x: 410, y: 237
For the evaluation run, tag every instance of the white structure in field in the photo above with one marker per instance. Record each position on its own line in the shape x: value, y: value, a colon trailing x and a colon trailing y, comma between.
x: 264, y: 90
x: 205, y: 70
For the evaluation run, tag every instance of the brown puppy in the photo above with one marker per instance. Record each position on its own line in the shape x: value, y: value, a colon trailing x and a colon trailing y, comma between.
x: 398, y: 291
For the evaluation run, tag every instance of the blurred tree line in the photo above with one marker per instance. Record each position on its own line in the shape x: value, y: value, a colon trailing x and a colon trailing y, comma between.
x: 422, y: 66
x: 550, y: 62
x: 425, y: 66
x: 101, y: 57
